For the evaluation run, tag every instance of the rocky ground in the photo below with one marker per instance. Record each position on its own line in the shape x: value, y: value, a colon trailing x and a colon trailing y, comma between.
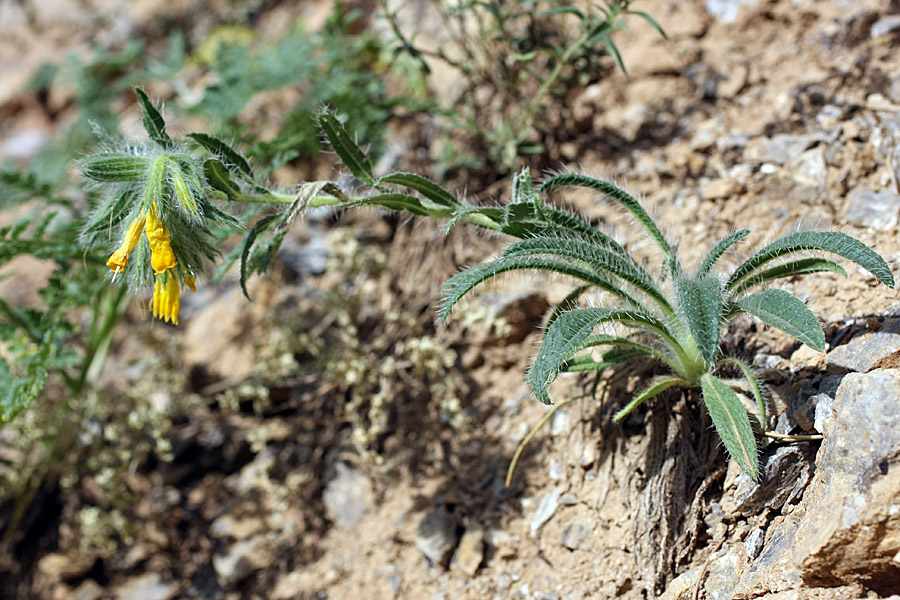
x: 776, y: 116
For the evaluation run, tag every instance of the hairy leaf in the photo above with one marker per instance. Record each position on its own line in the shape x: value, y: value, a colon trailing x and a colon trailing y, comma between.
x: 620, y: 196
x: 219, y: 177
x: 224, y: 152
x: 754, y: 386
x: 657, y: 386
x: 827, y: 241
x: 803, y: 266
x: 719, y: 249
x: 344, y: 146
x: 593, y: 256
x: 732, y: 423
x: 564, y: 338
x: 392, y: 201
x: 424, y: 186
x: 153, y: 120
x: 783, y: 311
x: 700, y: 300
x: 462, y: 283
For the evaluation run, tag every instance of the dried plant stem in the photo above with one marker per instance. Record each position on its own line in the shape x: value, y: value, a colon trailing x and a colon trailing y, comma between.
x: 793, y: 438
x: 533, y: 432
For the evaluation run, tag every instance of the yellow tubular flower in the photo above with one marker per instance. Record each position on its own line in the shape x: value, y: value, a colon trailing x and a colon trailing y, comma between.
x: 119, y: 259
x: 161, y: 255
x: 166, y: 300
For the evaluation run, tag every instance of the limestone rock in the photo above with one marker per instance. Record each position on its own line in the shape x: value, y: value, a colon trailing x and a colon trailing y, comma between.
x: 436, y: 536
x: 242, y: 560
x: 347, y: 496
x: 470, y: 553
x: 870, y: 208
x: 545, y: 510
x: 846, y: 529
x: 146, y: 587
x: 860, y: 353
x: 778, y: 149
x: 783, y: 475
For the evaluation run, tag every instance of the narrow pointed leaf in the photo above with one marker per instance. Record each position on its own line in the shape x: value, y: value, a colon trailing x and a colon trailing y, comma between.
x: 593, y: 256
x: 424, y: 186
x: 657, y: 386
x: 153, y: 121
x: 803, y: 266
x: 783, y: 311
x: 719, y: 249
x: 219, y: 177
x: 620, y: 196
x: 462, y: 283
x: 754, y: 386
x: 223, y: 151
x: 649, y: 20
x: 826, y: 241
x: 732, y: 424
x: 564, y: 338
x: 346, y: 148
x: 392, y: 201
x: 585, y: 362
x: 700, y: 300
x: 246, y: 267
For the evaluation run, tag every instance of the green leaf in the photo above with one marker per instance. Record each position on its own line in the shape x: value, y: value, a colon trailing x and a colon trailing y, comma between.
x: 153, y: 120
x: 732, y: 423
x: 564, y: 338
x: 346, y: 148
x: 649, y: 19
x: 462, y: 283
x: 392, y: 201
x: 595, y: 257
x: 585, y: 362
x: 754, y: 386
x: 783, y: 311
x: 620, y: 196
x: 219, y: 177
x: 112, y: 167
x: 803, y: 266
x: 827, y: 241
x: 246, y: 267
x: 700, y: 299
x: 719, y: 249
x: 570, y: 302
x: 224, y: 152
x: 558, y: 10
x: 424, y: 186
x: 657, y: 386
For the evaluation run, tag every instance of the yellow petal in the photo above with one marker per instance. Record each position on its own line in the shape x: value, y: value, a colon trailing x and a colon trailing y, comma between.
x: 166, y: 299
x: 189, y: 280
x: 119, y: 259
x: 161, y: 255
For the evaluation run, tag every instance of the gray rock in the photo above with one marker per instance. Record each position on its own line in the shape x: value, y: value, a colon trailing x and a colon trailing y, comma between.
x: 722, y: 578
x: 809, y: 168
x: 347, y: 496
x: 470, y: 553
x: 436, y: 536
x: 869, y: 208
x: 575, y: 534
x: 559, y: 424
x: 783, y: 475
x: 843, y: 531
x: 860, y: 353
x: 726, y: 10
x: 146, y: 587
x: 242, y: 560
x: 779, y: 149
x: 824, y: 412
x: 885, y: 25
x: 754, y: 542
x: 545, y: 510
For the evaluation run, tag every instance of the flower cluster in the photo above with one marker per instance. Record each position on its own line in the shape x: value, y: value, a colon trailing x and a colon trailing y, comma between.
x: 156, y: 207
